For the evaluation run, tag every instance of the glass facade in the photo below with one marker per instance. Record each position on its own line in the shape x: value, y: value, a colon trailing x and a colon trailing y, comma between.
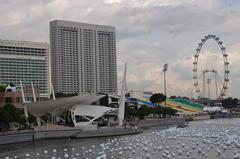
x: 28, y: 64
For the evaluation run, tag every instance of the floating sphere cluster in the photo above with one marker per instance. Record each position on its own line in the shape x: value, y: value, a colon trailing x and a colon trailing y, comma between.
x: 218, y: 139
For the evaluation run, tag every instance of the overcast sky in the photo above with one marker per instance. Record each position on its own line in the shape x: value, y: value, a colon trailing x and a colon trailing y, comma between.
x: 150, y: 33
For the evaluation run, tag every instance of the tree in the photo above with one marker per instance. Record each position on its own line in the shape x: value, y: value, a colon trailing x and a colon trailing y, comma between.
x: 4, y: 117
x: 61, y: 94
x: 143, y: 111
x: 130, y: 112
x: 157, y: 98
x: 170, y: 111
x: 9, y: 113
x: 12, y: 85
x: 2, y: 87
x: 16, y: 114
x: 230, y: 102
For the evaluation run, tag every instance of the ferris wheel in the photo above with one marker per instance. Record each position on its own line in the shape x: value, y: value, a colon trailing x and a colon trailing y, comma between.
x: 224, y: 86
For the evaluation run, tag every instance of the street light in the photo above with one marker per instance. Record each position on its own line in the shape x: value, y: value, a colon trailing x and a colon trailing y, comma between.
x: 164, y: 76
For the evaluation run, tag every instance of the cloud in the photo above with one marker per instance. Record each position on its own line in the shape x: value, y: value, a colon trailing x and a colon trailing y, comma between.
x: 149, y: 34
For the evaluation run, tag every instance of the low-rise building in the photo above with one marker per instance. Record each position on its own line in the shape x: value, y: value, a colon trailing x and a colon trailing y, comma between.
x: 13, y: 95
x: 140, y: 94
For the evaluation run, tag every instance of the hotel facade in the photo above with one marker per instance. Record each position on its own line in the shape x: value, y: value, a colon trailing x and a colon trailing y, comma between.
x: 83, y: 57
x: 25, y: 61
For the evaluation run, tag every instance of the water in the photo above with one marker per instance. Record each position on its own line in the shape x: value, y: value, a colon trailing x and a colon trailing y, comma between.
x: 212, y: 139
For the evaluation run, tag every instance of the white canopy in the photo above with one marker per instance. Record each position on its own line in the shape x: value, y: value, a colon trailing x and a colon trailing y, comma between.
x: 41, y: 108
x: 86, y: 111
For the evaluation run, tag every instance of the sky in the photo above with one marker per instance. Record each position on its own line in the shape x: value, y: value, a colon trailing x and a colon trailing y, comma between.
x: 149, y: 33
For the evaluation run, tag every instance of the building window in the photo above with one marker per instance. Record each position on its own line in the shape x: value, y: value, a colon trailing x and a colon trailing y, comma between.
x: 18, y: 100
x: 8, y: 100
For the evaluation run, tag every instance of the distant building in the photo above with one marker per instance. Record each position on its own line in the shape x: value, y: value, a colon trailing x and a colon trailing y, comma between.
x: 83, y: 57
x: 140, y: 94
x: 25, y: 61
x: 13, y: 95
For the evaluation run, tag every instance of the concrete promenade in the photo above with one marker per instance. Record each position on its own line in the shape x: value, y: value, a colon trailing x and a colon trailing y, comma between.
x: 163, y: 122
x: 55, y: 132
x: 104, y: 132
x: 31, y: 135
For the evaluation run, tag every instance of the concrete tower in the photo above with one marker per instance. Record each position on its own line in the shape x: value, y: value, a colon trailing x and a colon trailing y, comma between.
x: 83, y: 57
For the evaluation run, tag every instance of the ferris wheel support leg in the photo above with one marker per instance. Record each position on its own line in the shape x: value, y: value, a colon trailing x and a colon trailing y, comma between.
x: 216, y: 85
x: 204, y: 86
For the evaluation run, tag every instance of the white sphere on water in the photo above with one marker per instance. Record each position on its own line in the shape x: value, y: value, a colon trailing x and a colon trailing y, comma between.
x: 37, y: 154
x: 223, y: 156
x: 237, y: 156
x: 53, y: 157
x: 7, y: 157
x: 15, y: 157
x: 148, y: 156
x: 218, y: 151
x: 164, y: 155
x: 179, y: 152
x: 45, y: 151
x: 160, y: 148
x: 54, y: 150
x: 64, y: 150
x: 66, y: 155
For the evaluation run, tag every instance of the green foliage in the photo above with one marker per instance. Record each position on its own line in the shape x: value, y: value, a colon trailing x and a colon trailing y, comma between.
x: 143, y: 111
x: 10, y: 113
x: 2, y: 87
x: 230, y: 102
x: 61, y: 94
x: 12, y: 85
x: 15, y: 114
x: 130, y: 112
x: 4, y: 117
x: 157, y: 98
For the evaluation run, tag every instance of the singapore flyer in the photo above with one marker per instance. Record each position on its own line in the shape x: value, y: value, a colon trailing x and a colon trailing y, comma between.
x: 199, y: 77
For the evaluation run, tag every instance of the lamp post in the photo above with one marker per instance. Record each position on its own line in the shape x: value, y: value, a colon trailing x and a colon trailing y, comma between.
x: 164, y: 76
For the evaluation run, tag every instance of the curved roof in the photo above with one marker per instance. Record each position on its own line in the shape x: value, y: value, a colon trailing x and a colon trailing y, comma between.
x: 41, y: 108
x: 94, y: 111
x: 91, y: 110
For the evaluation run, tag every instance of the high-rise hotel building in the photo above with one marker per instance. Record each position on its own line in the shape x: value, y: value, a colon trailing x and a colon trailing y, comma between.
x: 83, y: 57
x: 25, y: 61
